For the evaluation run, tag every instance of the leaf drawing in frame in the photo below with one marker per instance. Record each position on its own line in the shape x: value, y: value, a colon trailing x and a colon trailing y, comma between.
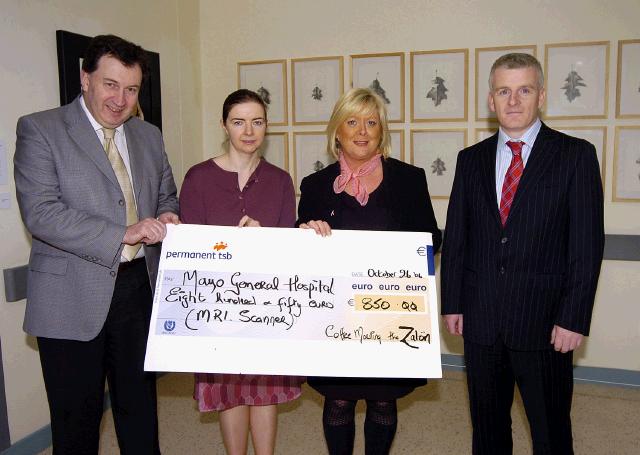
x: 438, y: 91
x: 265, y: 94
x: 377, y: 88
x: 572, y: 83
x: 438, y: 167
x: 316, y: 93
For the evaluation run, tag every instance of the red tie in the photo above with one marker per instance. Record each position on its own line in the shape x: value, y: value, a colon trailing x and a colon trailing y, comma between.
x: 511, y: 180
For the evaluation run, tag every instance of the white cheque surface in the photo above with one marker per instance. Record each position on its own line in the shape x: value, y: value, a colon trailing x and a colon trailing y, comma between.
x: 290, y: 302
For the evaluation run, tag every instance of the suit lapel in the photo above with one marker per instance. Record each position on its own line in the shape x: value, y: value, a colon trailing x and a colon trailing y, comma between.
x: 80, y: 130
x: 488, y: 176
x: 393, y: 190
x: 135, y: 158
x: 540, y: 159
x: 336, y: 208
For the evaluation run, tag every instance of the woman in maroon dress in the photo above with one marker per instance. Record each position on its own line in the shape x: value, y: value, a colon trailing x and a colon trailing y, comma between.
x: 239, y: 188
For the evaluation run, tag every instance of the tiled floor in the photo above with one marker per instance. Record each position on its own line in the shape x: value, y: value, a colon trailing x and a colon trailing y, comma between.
x: 432, y: 420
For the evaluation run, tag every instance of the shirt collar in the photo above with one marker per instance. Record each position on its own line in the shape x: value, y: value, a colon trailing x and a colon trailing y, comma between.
x: 94, y: 123
x: 528, y: 137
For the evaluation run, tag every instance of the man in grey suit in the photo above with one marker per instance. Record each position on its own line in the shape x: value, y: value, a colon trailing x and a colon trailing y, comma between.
x: 521, y: 258
x: 93, y: 184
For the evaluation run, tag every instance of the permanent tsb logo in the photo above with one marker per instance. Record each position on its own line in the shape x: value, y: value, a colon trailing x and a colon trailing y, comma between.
x: 217, y: 253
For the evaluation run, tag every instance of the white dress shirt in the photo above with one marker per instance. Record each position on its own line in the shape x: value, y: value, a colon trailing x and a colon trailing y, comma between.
x: 504, y: 154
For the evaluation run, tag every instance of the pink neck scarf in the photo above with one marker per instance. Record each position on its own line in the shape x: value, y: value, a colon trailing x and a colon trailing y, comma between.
x: 347, y: 175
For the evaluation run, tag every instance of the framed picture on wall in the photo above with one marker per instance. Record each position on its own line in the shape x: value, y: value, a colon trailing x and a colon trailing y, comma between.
x: 316, y: 83
x: 628, y: 82
x: 275, y: 149
x: 577, y: 80
x: 597, y: 135
x: 439, y: 85
x: 436, y: 151
x: 309, y: 155
x: 485, y: 57
x: 384, y: 74
x: 484, y: 133
x: 397, y: 144
x: 626, y: 164
x: 268, y: 79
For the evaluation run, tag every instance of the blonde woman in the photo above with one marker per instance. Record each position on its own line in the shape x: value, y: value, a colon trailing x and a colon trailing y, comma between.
x: 364, y: 189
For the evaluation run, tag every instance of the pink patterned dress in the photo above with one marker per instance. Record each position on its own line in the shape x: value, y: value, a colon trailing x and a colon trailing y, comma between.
x: 210, y: 195
x: 217, y: 392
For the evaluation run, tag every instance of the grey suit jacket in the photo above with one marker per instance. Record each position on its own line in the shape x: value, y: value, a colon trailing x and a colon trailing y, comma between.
x: 72, y: 205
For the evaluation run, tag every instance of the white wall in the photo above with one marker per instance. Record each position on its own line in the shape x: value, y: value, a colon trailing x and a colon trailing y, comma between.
x: 277, y: 29
x: 29, y: 75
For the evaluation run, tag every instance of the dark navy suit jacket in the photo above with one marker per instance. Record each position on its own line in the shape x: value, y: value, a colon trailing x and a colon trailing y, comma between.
x: 542, y: 267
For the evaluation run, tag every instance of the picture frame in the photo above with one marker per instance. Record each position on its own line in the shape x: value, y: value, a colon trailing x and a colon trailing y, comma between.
x: 71, y: 48
x: 268, y: 78
x: 626, y: 164
x: 577, y: 80
x: 436, y: 151
x: 597, y: 135
x: 485, y: 57
x: 628, y: 81
x: 384, y: 74
x: 397, y: 144
x: 316, y: 85
x: 439, y: 85
x: 484, y: 133
x: 309, y: 155
x: 275, y: 149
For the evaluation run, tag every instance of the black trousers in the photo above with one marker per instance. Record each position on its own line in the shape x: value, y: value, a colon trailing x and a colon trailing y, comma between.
x: 75, y: 371
x: 545, y: 381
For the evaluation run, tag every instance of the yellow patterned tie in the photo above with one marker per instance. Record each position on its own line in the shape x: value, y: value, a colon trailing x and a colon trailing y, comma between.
x: 129, y: 252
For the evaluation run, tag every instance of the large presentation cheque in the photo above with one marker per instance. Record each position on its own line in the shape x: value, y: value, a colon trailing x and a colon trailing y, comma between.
x: 288, y: 301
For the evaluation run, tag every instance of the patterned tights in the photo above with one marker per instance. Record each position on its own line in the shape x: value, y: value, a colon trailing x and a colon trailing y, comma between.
x: 338, y: 421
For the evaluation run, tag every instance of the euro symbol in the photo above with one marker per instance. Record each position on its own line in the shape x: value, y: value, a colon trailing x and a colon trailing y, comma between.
x: 422, y: 251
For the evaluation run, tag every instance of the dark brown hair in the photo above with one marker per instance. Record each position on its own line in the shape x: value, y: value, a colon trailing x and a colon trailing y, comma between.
x: 239, y: 97
x: 128, y: 53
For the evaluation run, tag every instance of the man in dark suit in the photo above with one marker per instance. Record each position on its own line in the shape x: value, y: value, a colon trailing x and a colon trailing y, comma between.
x: 521, y: 257
x: 93, y: 185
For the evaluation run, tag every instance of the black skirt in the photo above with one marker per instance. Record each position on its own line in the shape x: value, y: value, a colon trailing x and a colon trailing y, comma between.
x: 378, y: 389
x: 373, y: 216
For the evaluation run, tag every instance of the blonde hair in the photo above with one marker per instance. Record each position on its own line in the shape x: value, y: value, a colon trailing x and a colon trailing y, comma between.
x: 357, y: 101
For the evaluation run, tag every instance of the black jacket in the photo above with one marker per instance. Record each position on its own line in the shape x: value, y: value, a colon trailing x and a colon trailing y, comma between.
x: 406, y: 188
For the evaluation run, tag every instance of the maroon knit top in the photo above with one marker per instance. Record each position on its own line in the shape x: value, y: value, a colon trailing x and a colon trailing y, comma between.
x: 210, y: 195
